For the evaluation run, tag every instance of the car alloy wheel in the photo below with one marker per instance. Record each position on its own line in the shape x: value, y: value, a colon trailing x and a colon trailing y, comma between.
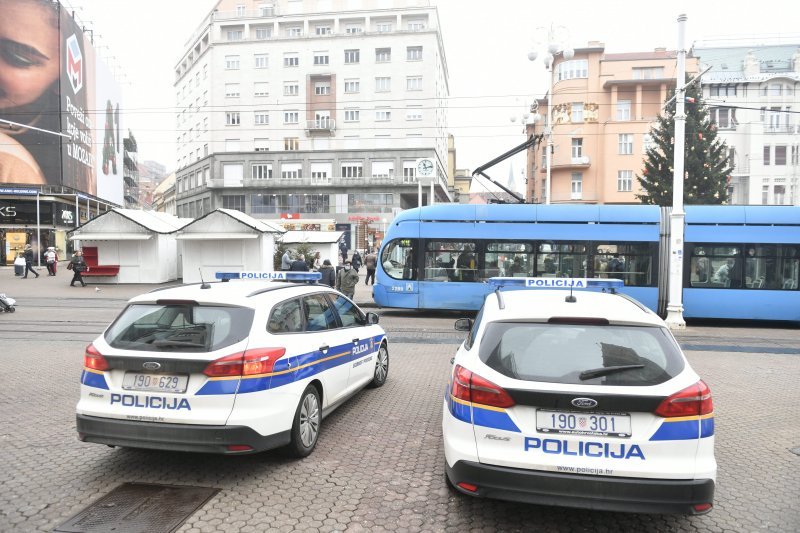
x: 381, y: 367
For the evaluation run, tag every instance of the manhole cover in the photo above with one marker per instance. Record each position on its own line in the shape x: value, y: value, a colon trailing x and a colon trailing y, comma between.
x: 139, y: 508
x: 795, y: 451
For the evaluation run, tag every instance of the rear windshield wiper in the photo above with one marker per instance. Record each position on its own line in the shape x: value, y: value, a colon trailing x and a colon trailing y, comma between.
x: 606, y: 370
x: 166, y: 343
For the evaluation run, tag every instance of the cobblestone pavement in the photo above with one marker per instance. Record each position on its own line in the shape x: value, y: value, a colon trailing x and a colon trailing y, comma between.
x: 379, y: 464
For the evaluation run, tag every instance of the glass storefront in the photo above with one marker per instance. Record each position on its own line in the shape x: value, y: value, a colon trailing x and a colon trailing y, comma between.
x: 18, y: 226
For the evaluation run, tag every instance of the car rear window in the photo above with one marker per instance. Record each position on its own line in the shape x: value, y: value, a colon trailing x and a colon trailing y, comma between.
x: 568, y: 353
x: 181, y: 328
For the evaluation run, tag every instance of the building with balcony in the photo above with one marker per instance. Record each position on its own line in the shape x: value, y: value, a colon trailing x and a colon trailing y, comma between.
x: 312, y: 109
x: 603, y: 106
x: 753, y: 93
x: 164, y: 196
x: 151, y: 173
x: 130, y: 172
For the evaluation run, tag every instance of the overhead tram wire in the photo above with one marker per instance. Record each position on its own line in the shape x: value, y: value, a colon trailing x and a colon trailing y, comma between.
x: 305, y: 106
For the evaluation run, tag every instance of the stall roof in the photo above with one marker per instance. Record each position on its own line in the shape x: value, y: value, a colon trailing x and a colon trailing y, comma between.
x: 313, y: 237
x: 154, y: 221
x: 264, y: 226
x: 211, y: 236
x: 228, y: 224
x: 110, y: 236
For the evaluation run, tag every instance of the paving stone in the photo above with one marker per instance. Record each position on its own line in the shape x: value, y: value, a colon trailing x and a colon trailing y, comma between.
x: 379, y: 462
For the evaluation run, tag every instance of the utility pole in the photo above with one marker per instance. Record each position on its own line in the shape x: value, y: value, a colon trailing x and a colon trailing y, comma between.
x: 678, y: 216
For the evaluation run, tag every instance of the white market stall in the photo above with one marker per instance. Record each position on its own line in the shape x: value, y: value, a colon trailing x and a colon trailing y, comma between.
x: 226, y: 240
x: 324, y: 242
x: 130, y: 246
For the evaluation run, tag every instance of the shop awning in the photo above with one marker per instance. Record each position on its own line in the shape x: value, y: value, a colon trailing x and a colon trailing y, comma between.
x: 110, y: 236
x: 214, y: 236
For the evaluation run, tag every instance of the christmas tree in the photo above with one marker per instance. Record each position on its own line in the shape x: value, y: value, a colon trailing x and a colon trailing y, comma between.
x: 706, y: 166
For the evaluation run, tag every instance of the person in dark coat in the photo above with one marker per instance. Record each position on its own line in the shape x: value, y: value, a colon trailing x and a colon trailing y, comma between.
x: 343, y: 251
x: 29, y: 261
x: 371, y: 262
x: 78, y: 267
x: 356, y: 260
x: 328, y: 274
x: 299, y: 264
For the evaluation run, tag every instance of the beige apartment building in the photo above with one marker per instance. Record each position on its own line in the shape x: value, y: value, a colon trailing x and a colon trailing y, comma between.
x: 603, y: 106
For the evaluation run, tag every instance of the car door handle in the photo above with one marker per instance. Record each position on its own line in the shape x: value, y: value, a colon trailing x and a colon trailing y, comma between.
x: 324, y: 348
x: 355, y: 341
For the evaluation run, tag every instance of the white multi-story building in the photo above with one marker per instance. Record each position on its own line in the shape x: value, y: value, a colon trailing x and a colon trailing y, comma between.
x: 753, y: 93
x: 312, y: 108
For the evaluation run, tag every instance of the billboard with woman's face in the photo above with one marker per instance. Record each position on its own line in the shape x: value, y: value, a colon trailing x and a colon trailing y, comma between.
x: 49, y: 83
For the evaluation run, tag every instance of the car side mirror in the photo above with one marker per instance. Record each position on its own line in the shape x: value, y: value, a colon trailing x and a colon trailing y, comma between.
x: 372, y: 318
x: 463, y: 324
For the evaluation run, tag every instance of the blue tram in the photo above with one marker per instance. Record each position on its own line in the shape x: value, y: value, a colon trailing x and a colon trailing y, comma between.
x: 741, y: 262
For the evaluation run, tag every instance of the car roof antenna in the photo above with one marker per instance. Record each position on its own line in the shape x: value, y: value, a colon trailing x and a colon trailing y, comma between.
x: 571, y: 298
x: 203, y: 284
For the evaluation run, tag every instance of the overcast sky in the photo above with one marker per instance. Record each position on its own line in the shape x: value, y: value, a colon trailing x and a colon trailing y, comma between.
x: 486, y: 43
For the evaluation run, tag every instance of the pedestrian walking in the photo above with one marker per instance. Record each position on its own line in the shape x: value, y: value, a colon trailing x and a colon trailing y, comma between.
x: 357, y: 262
x: 347, y: 279
x: 29, y: 261
x: 371, y: 262
x: 328, y: 274
x: 78, y: 266
x: 317, y: 262
x: 343, y: 251
x: 51, y: 260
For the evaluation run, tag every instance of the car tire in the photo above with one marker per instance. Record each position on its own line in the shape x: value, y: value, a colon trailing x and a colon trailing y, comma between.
x: 381, y: 368
x: 307, y: 424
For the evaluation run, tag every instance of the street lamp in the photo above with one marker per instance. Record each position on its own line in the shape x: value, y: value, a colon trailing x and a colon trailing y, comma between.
x: 555, y: 46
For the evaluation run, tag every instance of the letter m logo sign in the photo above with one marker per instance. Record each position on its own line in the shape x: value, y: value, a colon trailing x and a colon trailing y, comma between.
x: 74, y: 64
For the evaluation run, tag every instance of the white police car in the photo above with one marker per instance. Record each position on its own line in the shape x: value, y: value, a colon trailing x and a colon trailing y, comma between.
x: 578, y: 399
x: 232, y: 368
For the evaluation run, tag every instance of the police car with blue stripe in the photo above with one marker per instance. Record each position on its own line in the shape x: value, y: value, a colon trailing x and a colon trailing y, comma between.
x: 229, y: 367
x: 579, y: 398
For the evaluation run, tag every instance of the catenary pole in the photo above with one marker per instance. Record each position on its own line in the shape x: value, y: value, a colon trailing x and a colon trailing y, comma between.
x: 38, y: 232
x: 677, y: 217
x: 549, y: 131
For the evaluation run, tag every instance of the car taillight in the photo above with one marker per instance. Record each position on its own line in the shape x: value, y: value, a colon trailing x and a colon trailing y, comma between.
x: 460, y: 386
x: 94, y: 359
x: 261, y: 360
x: 471, y: 387
x: 692, y: 401
x: 248, y: 363
x: 230, y: 365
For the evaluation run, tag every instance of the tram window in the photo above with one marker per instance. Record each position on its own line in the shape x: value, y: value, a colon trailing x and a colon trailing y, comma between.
x: 399, y: 259
x: 508, y: 259
x: 700, y: 271
x: 753, y: 266
x: 451, y: 261
x: 771, y: 266
x: 631, y: 262
x: 716, y: 267
x: 561, y: 260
